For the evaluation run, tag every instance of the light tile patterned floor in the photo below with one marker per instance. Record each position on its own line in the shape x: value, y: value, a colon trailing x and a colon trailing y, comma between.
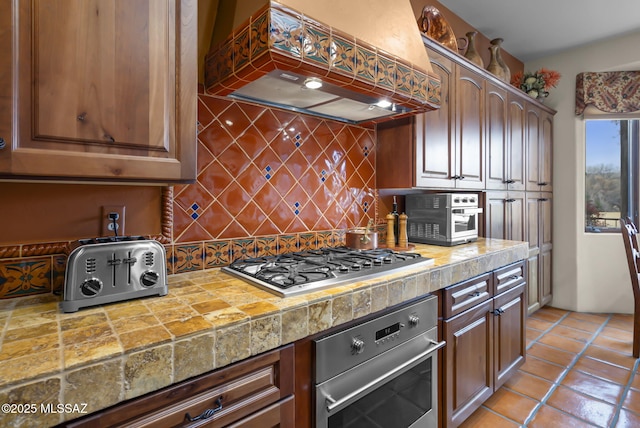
x: 579, y: 373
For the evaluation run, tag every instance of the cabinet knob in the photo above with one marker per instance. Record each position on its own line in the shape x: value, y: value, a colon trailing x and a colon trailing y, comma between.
x: 2, y: 143
x: 509, y: 200
x: 544, y: 183
x: 509, y: 181
x: 543, y: 199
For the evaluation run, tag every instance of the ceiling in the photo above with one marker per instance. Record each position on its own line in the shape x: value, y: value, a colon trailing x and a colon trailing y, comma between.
x: 536, y: 29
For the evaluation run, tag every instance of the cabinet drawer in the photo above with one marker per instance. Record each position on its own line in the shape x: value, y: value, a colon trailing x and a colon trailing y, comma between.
x: 462, y: 296
x: 251, y: 387
x: 508, y: 277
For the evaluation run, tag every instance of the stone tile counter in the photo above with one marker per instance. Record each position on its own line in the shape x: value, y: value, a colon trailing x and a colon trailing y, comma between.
x: 99, y: 356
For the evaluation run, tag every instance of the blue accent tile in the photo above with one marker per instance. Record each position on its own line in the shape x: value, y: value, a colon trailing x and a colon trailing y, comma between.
x: 297, y: 212
x: 194, y: 216
x: 268, y: 168
x: 297, y: 204
x: 194, y: 206
x: 268, y: 176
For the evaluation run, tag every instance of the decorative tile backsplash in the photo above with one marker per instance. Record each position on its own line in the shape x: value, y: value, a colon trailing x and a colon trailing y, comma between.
x: 269, y: 182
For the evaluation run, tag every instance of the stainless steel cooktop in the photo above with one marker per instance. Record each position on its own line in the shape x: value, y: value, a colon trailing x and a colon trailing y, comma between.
x: 305, y: 271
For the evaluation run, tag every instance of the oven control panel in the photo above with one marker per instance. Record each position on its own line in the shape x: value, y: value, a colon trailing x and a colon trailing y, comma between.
x: 354, y: 345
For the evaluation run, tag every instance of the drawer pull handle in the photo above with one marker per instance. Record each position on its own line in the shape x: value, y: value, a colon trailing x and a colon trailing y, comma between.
x: 497, y: 312
x: 475, y: 294
x: 207, y: 413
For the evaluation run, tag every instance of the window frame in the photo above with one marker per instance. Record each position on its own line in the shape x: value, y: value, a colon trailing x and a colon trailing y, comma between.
x: 631, y: 169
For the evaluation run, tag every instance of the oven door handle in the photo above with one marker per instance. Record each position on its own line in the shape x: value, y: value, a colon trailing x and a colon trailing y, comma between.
x: 333, y: 404
x: 466, y: 211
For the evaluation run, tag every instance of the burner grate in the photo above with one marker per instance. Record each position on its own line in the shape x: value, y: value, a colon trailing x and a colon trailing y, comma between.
x: 310, y: 270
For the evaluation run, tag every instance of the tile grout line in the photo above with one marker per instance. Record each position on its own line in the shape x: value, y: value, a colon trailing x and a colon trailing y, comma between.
x: 625, y: 392
x: 537, y: 406
x: 568, y: 368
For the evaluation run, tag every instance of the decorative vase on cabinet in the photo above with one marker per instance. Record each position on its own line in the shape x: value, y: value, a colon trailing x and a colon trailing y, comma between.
x: 472, y: 54
x: 505, y: 68
x: 494, y: 67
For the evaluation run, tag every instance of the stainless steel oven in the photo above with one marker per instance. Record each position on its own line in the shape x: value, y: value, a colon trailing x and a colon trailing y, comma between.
x: 382, y: 373
x: 442, y: 218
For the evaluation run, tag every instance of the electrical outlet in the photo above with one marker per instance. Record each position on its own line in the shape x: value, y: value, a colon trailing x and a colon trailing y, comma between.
x: 107, y: 223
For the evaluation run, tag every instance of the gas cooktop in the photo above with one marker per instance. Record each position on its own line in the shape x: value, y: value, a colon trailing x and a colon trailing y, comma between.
x: 305, y: 271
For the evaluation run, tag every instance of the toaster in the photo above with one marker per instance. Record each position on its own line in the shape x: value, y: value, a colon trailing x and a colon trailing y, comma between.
x: 113, y: 269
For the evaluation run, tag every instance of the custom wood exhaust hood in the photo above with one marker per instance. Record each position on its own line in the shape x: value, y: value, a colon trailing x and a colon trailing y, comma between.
x: 365, y: 57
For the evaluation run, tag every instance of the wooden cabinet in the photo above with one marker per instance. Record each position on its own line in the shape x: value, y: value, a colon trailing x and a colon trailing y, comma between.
x: 99, y: 90
x: 484, y: 327
x: 539, y: 231
x: 445, y: 148
x: 505, y: 215
x: 539, y: 140
x: 257, y: 392
x: 505, y: 140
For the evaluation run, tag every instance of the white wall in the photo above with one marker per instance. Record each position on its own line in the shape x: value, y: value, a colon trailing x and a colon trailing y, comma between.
x: 589, y: 270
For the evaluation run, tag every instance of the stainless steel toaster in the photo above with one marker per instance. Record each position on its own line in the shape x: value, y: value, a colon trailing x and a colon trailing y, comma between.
x: 112, y: 269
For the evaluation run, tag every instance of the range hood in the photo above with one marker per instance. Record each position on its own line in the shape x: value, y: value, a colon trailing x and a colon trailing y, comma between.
x: 366, y: 58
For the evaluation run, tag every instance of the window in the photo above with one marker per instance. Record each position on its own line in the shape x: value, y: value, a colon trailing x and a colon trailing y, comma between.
x: 611, y: 173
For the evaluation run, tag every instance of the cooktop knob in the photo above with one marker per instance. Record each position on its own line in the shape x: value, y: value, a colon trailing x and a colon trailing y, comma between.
x: 357, y: 346
x: 414, y: 320
x: 149, y: 278
x: 91, y: 287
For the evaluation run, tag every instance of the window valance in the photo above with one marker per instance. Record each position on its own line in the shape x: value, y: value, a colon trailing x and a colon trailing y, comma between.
x: 612, y: 92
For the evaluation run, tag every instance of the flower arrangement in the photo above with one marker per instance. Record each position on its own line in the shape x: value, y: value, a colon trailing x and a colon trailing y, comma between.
x: 536, y: 84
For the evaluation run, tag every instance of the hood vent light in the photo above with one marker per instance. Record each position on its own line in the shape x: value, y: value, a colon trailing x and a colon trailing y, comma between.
x: 284, y: 59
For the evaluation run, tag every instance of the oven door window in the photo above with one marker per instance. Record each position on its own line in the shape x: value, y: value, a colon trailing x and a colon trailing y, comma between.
x: 463, y: 222
x: 398, y: 403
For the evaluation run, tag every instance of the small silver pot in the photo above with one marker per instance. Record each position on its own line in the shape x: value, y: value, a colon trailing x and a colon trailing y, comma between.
x: 361, y: 238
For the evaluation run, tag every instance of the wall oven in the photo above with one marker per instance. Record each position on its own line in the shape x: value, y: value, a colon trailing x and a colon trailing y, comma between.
x: 442, y: 218
x: 382, y: 373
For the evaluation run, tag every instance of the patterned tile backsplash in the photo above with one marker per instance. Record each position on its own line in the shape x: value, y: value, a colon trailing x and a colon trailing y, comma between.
x: 269, y: 182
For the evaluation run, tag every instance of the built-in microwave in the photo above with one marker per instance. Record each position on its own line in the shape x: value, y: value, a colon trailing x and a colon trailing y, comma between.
x: 442, y: 218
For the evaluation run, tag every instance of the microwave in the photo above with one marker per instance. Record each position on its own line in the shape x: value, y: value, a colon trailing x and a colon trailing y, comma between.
x: 442, y: 218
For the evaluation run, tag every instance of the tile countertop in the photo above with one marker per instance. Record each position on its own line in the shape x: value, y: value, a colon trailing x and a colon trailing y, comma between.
x: 102, y: 355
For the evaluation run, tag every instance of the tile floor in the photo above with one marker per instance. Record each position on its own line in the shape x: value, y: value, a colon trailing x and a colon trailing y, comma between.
x: 579, y: 373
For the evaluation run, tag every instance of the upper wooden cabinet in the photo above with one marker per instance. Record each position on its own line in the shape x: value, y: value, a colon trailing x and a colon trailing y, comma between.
x: 444, y: 148
x: 539, y: 127
x: 99, y: 89
x: 479, y: 139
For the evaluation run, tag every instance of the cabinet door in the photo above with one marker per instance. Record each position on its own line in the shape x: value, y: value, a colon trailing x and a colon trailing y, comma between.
x: 469, y: 154
x: 496, y: 138
x: 468, y: 363
x: 515, y: 174
x: 505, y: 214
x: 435, y: 133
x: 545, y: 225
x: 509, y: 333
x: 533, y: 262
x: 105, y: 90
x: 532, y: 128
x: 546, y: 151
x: 495, y: 215
x: 515, y: 223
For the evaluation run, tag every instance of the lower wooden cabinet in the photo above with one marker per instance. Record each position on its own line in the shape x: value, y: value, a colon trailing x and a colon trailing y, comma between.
x: 485, y: 342
x: 254, y: 393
